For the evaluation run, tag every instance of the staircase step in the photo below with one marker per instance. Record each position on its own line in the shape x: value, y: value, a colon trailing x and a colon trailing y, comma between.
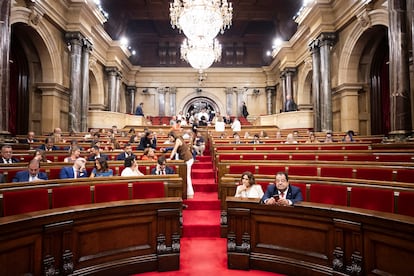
x: 202, y: 173
x: 201, y: 223
x: 205, y: 185
x: 205, y: 158
x: 202, y: 165
x: 203, y: 201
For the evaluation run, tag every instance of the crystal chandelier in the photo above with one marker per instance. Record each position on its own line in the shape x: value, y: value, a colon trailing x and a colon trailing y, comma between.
x: 201, y: 19
x: 201, y: 53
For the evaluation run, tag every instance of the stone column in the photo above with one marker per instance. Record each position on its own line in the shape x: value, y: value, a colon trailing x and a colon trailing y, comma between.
x: 270, y: 90
x: 118, y: 84
x: 173, y: 98
x: 284, y: 93
x: 161, y: 101
x: 398, y: 39
x: 87, y: 48
x: 111, y: 72
x: 229, y: 100
x: 75, y: 41
x: 130, y: 99
x: 239, y: 94
x: 326, y: 42
x: 5, y: 7
x: 316, y: 82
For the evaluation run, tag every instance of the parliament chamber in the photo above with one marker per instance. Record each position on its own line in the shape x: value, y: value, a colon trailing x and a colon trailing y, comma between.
x: 347, y: 143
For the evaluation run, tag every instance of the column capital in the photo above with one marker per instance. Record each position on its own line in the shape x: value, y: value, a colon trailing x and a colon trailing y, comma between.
x: 131, y: 89
x: 270, y: 88
x: 74, y: 38
x: 111, y: 70
x: 288, y: 71
x: 327, y: 38
x: 314, y: 45
x: 162, y: 90
x: 228, y: 90
x: 87, y: 44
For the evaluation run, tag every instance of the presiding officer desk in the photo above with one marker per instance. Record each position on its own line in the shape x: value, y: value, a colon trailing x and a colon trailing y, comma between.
x: 111, y: 238
x: 318, y: 239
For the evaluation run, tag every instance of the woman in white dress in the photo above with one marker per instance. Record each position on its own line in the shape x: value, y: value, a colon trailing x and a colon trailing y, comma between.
x: 248, y: 187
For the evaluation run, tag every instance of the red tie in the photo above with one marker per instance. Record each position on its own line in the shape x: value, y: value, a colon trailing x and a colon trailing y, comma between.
x: 282, y: 195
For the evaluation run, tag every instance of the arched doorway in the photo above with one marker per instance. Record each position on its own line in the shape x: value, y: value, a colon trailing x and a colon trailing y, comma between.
x: 196, y: 104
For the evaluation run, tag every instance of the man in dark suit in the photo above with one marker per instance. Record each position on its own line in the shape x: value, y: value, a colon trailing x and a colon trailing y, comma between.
x: 7, y: 155
x: 96, y: 154
x: 127, y: 152
x: 30, y: 139
x: 78, y: 170
x: 139, y: 111
x: 162, y: 168
x: 282, y: 193
x: 290, y: 105
x: 31, y: 174
x: 49, y: 145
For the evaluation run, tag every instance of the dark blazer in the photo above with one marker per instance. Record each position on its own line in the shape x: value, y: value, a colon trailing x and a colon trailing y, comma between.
x: 168, y: 170
x: 93, y: 157
x: 294, y: 194
x: 139, y: 111
x: 27, y: 141
x: 67, y: 172
x: 145, y: 142
x: 14, y: 160
x: 43, y: 147
x: 121, y: 156
x: 23, y: 176
x: 2, y: 178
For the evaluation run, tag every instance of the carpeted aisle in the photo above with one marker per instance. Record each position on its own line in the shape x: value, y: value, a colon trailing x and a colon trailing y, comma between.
x: 202, y: 250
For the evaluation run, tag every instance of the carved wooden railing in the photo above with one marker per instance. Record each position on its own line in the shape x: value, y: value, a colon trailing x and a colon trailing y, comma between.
x: 115, y: 238
x: 317, y: 239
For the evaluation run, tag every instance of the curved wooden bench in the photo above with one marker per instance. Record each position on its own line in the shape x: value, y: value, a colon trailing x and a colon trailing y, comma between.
x: 318, y: 239
x: 128, y: 237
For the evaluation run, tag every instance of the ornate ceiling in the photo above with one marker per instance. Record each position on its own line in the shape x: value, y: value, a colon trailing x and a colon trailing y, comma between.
x: 146, y: 24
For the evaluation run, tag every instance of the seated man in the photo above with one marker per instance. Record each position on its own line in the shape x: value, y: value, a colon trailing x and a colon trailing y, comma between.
x: 127, y: 152
x: 31, y: 174
x: 162, y: 168
x: 49, y: 145
x: 76, y: 171
x: 96, y: 154
x: 281, y: 193
x: 7, y: 155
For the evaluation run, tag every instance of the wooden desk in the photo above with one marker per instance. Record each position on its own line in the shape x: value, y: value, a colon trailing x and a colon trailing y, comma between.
x: 318, y: 239
x: 115, y: 238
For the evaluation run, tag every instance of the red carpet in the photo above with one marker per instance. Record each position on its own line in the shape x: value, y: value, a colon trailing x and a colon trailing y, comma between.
x: 203, y: 252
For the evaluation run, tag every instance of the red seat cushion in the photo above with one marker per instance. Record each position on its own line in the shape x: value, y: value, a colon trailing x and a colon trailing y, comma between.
x: 270, y: 170
x: 111, y: 192
x: 381, y: 174
x: 406, y: 203
x: 18, y: 202
x: 71, y: 196
x: 142, y: 190
x: 328, y: 194
x: 303, y: 170
x: 234, y: 169
x: 372, y: 199
x: 405, y: 175
x: 340, y: 172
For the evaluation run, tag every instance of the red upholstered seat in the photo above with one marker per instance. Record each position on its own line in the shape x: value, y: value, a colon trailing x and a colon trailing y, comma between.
x: 394, y: 157
x: 229, y: 157
x: 71, y: 196
x: 142, y: 190
x: 372, y: 199
x: 340, y: 172
x: 308, y: 156
x: 270, y: 170
x: 111, y: 192
x: 406, y: 203
x: 53, y: 173
x: 277, y: 156
x: 19, y: 202
x: 382, y: 174
x: 302, y: 187
x: 360, y: 157
x: 10, y: 173
x: 328, y: 194
x: 330, y: 157
x: 303, y: 170
x: 253, y: 157
x: 233, y: 169
x: 264, y: 185
x: 405, y: 175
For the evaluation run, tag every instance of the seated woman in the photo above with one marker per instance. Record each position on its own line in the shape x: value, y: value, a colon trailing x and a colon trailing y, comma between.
x: 248, y: 187
x: 149, y: 154
x: 131, y: 167
x: 74, y: 154
x: 40, y: 155
x: 101, y: 168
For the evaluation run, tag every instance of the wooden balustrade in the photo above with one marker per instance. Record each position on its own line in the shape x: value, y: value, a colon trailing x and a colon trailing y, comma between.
x: 318, y: 239
x: 128, y: 237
